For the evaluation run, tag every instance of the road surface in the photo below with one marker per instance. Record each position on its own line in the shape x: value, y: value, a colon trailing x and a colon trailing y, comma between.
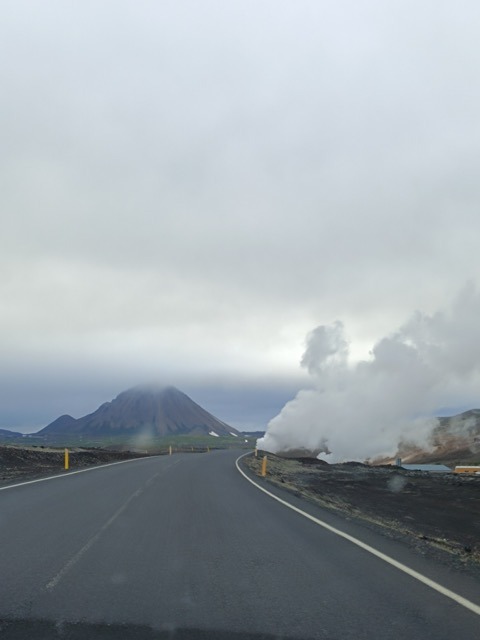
x: 183, y: 546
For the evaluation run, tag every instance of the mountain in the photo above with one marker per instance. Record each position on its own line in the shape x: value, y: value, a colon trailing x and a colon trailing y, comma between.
x: 143, y: 410
x: 454, y: 440
x: 63, y: 424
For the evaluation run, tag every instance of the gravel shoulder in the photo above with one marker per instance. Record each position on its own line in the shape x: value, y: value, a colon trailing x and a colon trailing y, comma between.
x: 437, y: 514
x: 19, y: 464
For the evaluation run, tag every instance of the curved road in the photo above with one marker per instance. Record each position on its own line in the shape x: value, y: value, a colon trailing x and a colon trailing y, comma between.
x: 185, y: 547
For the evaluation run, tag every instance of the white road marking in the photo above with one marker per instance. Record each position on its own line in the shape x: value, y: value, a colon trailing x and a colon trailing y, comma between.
x: 75, y: 558
x: 72, y: 473
x: 471, y: 606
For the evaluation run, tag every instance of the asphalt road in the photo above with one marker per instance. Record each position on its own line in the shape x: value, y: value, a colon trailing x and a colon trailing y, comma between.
x: 185, y: 547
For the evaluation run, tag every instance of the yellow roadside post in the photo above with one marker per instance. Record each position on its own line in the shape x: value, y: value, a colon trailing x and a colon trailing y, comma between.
x: 170, y: 450
x: 264, y: 466
x: 66, y: 459
x: 208, y: 449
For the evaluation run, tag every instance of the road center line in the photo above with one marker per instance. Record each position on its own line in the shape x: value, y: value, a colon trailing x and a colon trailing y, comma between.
x: 75, y: 558
x: 471, y: 606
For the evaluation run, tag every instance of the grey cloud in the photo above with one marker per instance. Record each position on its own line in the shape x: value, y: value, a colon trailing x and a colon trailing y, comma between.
x: 204, y: 182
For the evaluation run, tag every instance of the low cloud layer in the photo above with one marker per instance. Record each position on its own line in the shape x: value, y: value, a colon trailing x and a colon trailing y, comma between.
x: 366, y: 409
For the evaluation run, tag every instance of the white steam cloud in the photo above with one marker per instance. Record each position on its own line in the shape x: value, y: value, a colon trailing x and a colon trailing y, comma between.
x: 366, y: 409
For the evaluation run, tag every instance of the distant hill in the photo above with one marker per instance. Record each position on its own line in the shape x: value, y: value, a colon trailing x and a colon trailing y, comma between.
x: 143, y: 410
x: 6, y: 433
x: 63, y: 424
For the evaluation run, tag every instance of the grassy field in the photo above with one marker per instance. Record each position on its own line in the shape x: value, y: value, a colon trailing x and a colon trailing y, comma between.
x: 140, y: 443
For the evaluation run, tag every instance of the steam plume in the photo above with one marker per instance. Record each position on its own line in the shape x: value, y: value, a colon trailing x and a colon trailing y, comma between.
x: 364, y: 410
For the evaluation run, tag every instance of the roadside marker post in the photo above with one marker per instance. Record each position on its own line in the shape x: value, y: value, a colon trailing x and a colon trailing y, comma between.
x: 256, y: 452
x: 67, y: 461
x: 170, y: 450
x: 264, y: 466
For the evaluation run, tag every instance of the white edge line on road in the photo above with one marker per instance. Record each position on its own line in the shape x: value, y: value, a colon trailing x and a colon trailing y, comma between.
x: 471, y: 606
x: 72, y: 473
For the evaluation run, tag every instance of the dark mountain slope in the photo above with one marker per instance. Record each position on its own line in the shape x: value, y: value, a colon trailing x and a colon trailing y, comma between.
x: 144, y: 409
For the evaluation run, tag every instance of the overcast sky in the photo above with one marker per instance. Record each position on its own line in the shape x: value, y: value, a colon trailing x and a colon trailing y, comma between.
x: 190, y: 187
